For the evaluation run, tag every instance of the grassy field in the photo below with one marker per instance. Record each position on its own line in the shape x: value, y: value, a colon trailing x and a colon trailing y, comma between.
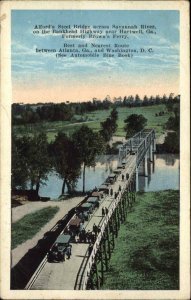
x: 29, y: 225
x: 94, y: 119
x: 146, y: 256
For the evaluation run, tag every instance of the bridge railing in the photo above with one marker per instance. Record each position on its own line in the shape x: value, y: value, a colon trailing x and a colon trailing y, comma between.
x: 144, y: 145
x: 138, y: 138
x: 86, y: 272
x: 98, y: 241
x: 145, y: 137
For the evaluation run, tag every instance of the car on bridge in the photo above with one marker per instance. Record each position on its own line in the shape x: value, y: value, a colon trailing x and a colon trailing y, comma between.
x: 94, y: 201
x: 112, y: 178
x: 104, y: 188
x: 117, y: 172
x: 99, y: 194
x: 124, y: 161
x: 86, y: 210
x: 119, y: 167
x: 73, y: 227
x: 59, y: 249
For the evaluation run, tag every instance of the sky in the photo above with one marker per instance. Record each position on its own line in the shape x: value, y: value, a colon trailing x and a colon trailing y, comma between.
x: 39, y: 77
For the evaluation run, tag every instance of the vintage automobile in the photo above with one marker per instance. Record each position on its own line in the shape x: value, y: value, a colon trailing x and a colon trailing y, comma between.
x: 104, y: 188
x: 124, y: 161
x: 112, y: 177
x: 74, y: 226
x: 118, y: 172
x: 98, y: 193
x: 94, y: 201
x: 120, y: 167
x: 132, y: 152
x: 58, y: 250
x: 86, y: 210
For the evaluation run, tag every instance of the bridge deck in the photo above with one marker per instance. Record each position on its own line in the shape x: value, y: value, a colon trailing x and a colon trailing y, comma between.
x: 62, y: 276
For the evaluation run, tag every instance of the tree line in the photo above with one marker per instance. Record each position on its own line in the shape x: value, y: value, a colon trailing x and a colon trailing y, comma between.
x: 33, y: 157
x: 30, y: 113
x: 172, y: 140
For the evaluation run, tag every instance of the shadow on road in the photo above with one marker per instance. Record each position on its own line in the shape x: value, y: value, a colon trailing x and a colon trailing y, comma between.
x: 25, y: 268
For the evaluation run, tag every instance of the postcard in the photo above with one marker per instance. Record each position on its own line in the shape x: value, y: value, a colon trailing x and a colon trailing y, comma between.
x: 95, y: 150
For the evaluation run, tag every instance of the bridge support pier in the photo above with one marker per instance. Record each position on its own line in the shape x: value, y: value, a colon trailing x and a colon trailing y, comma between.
x: 151, y: 153
x: 146, y: 165
x: 154, y: 145
x: 111, y: 230
x: 118, y: 217
x: 105, y: 254
x: 137, y: 179
x: 108, y: 241
x: 97, y: 276
x: 116, y: 223
x: 153, y: 166
x: 102, y: 267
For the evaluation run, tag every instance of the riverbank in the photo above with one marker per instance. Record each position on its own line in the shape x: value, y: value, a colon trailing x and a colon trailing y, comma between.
x: 146, y: 256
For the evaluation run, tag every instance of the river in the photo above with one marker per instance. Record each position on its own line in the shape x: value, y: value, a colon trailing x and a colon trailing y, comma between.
x: 163, y: 174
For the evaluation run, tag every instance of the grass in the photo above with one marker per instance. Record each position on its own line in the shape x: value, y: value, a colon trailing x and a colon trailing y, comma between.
x: 25, y: 228
x: 146, y: 256
x: 94, y: 119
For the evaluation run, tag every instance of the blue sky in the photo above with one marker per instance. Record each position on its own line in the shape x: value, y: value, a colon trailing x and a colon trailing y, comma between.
x: 43, y: 77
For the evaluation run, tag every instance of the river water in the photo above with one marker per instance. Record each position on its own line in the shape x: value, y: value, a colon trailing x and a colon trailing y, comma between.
x: 163, y: 173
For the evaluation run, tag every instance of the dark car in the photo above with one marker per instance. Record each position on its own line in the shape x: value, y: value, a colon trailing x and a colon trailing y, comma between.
x: 112, y: 178
x: 58, y: 250
x: 94, y: 201
x: 104, y: 188
x: 74, y: 226
x: 99, y: 194
x: 86, y: 209
x: 117, y: 172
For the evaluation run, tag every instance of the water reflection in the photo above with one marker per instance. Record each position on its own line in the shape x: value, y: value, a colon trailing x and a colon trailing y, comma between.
x: 162, y: 174
x: 95, y: 176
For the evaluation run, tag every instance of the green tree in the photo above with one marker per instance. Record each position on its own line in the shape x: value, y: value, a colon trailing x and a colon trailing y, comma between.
x: 137, y: 100
x: 109, y: 126
x: 89, y: 144
x: 133, y: 124
x: 30, y: 161
x: 38, y: 160
x: 66, y: 161
x: 114, y: 115
x: 107, y: 129
x: 172, y: 140
x: 145, y: 100
x: 19, y: 169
